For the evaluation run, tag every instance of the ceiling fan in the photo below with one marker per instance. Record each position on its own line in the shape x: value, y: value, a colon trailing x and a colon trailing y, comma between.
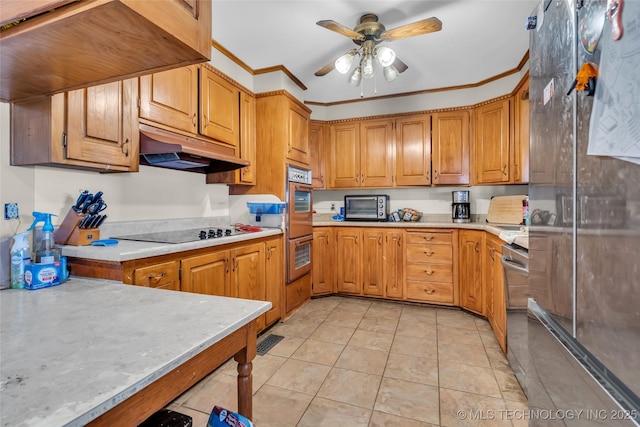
x: 367, y: 35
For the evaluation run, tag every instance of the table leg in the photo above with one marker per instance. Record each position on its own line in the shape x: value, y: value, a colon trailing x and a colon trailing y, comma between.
x: 245, y: 377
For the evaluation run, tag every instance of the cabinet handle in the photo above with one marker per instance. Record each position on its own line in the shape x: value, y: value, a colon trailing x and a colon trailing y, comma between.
x: 226, y: 265
x: 269, y: 250
x: 379, y: 240
x: 504, y: 170
x: 204, y: 120
x: 399, y: 241
x: 477, y: 247
x: 427, y: 176
x: 429, y: 291
x: 356, y: 239
x: 235, y: 264
x: 491, y: 251
x: 435, y: 174
x: 157, y: 277
x: 429, y: 272
x: 429, y: 253
x: 125, y: 147
x: 193, y: 120
x: 428, y: 239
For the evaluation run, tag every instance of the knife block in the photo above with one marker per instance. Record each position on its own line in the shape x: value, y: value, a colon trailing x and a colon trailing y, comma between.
x: 68, y: 233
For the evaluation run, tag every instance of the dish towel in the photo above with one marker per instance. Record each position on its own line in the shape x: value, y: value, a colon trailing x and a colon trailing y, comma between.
x: 511, y: 236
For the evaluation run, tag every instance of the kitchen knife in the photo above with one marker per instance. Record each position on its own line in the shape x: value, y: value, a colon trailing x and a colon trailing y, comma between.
x: 83, y: 222
x: 81, y: 198
x: 87, y: 202
x: 100, y: 221
x: 93, y: 219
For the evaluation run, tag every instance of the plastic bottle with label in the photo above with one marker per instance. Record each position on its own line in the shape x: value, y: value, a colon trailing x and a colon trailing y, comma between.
x: 525, y: 211
x: 20, y: 257
x: 45, y: 252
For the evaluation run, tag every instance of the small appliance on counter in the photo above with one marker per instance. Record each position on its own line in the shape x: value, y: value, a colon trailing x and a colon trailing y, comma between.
x: 460, y: 207
x: 366, y: 207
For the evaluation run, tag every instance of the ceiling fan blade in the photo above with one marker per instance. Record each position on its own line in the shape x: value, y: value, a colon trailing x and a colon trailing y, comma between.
x: 400, y: 66
x: 425, y: 26
x: 340, y: 29
x: 326, y: 69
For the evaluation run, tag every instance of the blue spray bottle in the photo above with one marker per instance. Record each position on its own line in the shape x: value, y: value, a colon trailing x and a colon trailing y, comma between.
x: 44, y: 249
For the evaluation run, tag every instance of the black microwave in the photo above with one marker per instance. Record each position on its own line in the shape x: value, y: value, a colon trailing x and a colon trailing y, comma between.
x: 366, y: 208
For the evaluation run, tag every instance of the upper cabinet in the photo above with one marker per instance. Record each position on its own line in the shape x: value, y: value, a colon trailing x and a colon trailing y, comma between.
x: 317, y: 147
x: 298, y: 134
x: 85, y: 43
x: 94, y: 129
x: 219, y: 108
x: 521, y: 132
x: 450, y: 147
x: 413, y: 150
x: 492, y: 158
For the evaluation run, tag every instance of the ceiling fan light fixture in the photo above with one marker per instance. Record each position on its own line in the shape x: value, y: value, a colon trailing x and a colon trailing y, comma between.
x: 385, y: 55
x: 390, y: 73
x: 356, y: 77
x: 367, y: 67
x: 343, y: 64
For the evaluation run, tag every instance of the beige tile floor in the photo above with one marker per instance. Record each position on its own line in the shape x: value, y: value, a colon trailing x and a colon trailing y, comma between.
x: 356, y: 362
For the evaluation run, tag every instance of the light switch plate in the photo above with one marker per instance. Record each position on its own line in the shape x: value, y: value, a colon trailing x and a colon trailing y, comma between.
x: 11, y: 211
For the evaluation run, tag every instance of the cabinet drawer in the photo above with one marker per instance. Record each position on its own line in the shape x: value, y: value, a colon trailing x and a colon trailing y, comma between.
x: 298, y: 292
x: 165, y: 276
x: 431, y: 292
x: 439, y: 254
x: 431, y: 238
x: 430, y: 272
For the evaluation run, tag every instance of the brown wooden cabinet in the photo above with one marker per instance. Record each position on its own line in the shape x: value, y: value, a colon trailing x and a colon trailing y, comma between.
x: 170, y: 98
x: 393, y: 257
x: 164, y: 275
x: 471, y: 247
x: 298, y: 148
x: 95, y: 128
x: 207, y: 274
x: 430, y: 266
x: 247, y: 174
x: 248, y: 275
x: 362, y: 154
x: 61, y: 47
x: 413, y: 150
x: 318, y: 149
x: 323, y: 261
x: 521, y: 132
x: 493, y: 139
x: 450, y: 147
x: 274, y: 279
x: 219, y: 108
x: 373, y: 265
x: 494, y: 285
x: 349, y: 260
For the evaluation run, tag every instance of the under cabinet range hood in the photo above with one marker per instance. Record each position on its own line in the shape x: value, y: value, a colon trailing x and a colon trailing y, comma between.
x: 60, y: 45
x: 170, y: 150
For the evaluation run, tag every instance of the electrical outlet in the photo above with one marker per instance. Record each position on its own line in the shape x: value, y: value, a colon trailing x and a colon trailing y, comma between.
x: 11, y: 211
x: 333, y: 206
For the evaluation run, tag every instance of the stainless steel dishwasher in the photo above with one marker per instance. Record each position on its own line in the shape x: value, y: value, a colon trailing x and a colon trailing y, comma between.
x: 515, y: 262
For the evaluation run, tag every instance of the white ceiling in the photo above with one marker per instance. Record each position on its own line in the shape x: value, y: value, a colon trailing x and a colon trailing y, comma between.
x: 479, y: 39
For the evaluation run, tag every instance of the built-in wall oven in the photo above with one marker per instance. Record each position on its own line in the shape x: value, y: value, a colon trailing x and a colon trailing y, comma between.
x: 299, y: 224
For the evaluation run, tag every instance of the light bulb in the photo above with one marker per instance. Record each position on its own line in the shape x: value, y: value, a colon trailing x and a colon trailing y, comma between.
x: 367, y: 67
x: 385, y: 55
x: 343, y: 64
x: 390, y: 73
x: 356, y: 76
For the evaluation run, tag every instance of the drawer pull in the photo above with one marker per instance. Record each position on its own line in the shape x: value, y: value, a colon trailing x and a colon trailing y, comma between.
x: 158, y: 277
x: 429, y: 253
x: 429, y: 272
x: 428, y: 239
x: 429, y: 291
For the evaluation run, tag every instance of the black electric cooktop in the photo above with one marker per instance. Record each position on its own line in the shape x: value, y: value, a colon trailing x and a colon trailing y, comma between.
x: 183, y: 236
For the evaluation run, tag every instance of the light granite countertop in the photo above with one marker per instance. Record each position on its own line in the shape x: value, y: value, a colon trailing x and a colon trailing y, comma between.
x: 519, y: 237
x: 73, y: 351
x: 127, y: 250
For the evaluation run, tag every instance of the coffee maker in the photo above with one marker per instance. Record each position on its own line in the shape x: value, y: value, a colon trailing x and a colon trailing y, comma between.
x: 461, y: 208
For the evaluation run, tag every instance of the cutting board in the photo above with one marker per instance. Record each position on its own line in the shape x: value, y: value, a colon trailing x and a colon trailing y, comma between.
x: 505, y: 209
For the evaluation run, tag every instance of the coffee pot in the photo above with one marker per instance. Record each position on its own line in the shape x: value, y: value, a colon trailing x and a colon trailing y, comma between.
x: 460, y: 208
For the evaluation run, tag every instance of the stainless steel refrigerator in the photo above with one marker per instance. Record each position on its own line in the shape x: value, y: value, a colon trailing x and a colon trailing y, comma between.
x: 584, y: 239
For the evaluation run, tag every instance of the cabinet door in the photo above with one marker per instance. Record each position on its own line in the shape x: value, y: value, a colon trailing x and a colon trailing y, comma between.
x: 348, y: 260
x: 376, y: 153
x: 521, y: 133
x: 162, y: 276
x: 248, y: 274
x: 450, y: 136
x: 492, y: 142
x: 247, y: 174
x: 298, y: 143
x: 322, y: 253
x: 102, y: 124
x: 345, y: 155
x: 274, y: 279
x: 170, y: 98
x: 393, y: 264
x: 494, y: 284
x: 413, y: 150
x: 207, y: 274
x: 471, y: 244
x: 317, y: 136
x: 373, y: 264
x: 219, y: 108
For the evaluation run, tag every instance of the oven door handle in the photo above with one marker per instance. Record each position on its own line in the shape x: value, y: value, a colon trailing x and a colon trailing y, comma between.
x: 303, y: 240
x: 512, y: 264
x: 305, y: 187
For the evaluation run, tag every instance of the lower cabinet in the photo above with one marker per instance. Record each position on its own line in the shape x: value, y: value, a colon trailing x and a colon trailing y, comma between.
x: 323, y: 261
x: 165, y: 275
x: 393, y: 258
x: 494, y: 285
x: 274, y: 279
x: 471, y: 246
x: 430, y: 273
x: 349, y: 260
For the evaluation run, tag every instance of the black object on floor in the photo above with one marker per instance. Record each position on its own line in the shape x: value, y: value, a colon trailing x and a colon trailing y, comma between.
x: 268, y: 343
x: 167, y: 418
